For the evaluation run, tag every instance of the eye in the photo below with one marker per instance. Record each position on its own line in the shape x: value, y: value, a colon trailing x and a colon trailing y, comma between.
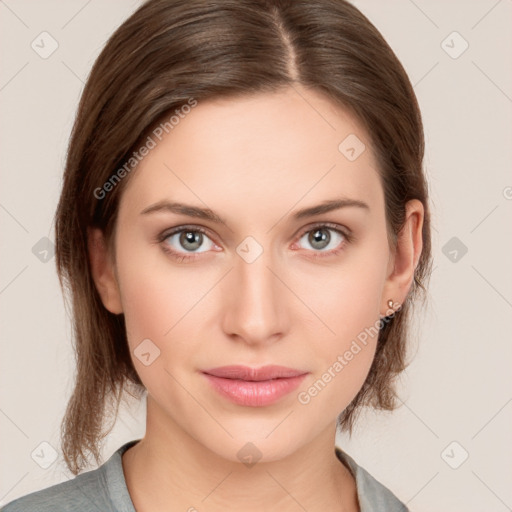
x: 325, y: 238
x: 180, y: 241
x: 184, y: 242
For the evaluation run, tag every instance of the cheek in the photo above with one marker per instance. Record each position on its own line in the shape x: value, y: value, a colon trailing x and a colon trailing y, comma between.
x: 165, y: 304
x: 155, y: 296
x: 344, y: 352
x: 345, y: 299
x: 348, y: 302
x: 147, y: 306
x: 152, y: 304
x: 155, y: 309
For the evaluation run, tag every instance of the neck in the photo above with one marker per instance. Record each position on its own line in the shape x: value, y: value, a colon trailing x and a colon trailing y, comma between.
x: 169, y: 468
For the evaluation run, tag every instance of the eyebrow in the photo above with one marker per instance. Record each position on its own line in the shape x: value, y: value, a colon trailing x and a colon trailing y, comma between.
x: 207, y: 214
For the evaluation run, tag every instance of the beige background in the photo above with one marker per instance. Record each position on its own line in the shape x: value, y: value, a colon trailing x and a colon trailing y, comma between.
x: 458, y: 389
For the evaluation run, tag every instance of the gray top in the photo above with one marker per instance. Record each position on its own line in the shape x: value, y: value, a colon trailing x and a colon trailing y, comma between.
x: 104, y: 490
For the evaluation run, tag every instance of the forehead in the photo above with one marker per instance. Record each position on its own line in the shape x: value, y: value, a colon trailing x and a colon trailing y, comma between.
x: 257, y: 152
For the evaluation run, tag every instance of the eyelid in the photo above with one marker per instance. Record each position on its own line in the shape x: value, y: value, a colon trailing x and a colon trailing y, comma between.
x: 184, y: 227
x: 331, y: 225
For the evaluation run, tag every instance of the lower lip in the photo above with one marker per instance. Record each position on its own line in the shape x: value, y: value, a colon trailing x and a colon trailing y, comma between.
x: 254, y: 393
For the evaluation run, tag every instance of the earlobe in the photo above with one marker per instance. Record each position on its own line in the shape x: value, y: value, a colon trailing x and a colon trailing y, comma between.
x: 102, y: 270
x: 407, y: 254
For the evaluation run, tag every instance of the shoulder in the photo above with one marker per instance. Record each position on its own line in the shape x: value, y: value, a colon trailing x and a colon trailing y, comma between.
x: 371, y: 493
x: 99, y: 490
x: 73, y: 495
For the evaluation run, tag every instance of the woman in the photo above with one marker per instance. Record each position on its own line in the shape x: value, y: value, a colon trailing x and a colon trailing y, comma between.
x: 243, y: 229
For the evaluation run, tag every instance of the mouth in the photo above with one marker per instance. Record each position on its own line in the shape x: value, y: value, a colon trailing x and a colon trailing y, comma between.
x: 254, y: 387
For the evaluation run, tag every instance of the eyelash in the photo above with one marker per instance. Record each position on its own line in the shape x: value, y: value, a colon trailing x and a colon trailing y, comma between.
x: 180, y: 257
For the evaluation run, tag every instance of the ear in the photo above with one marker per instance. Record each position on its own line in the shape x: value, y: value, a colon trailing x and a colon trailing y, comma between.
x: 103, y: 270
x: 405, y: 257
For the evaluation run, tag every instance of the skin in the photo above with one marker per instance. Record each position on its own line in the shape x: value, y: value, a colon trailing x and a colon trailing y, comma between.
x: 254, y: 161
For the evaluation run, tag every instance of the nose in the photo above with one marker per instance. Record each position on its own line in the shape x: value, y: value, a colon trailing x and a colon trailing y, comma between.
x: 254, y: 302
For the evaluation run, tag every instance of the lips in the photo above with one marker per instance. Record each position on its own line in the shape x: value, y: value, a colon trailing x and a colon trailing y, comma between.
x: 254, y: 374
x: 254, y: 387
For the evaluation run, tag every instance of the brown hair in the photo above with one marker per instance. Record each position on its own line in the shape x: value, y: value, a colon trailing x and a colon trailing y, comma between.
x: 169, y: 51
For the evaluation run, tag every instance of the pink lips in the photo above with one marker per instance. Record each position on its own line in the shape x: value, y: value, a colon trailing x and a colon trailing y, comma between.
x: 254, y: 387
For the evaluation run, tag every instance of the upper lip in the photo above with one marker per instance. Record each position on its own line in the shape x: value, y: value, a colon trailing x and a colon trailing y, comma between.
x: 254, y: 374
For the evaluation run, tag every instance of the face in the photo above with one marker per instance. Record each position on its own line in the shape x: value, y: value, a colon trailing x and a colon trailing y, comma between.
x: 265, y: 285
